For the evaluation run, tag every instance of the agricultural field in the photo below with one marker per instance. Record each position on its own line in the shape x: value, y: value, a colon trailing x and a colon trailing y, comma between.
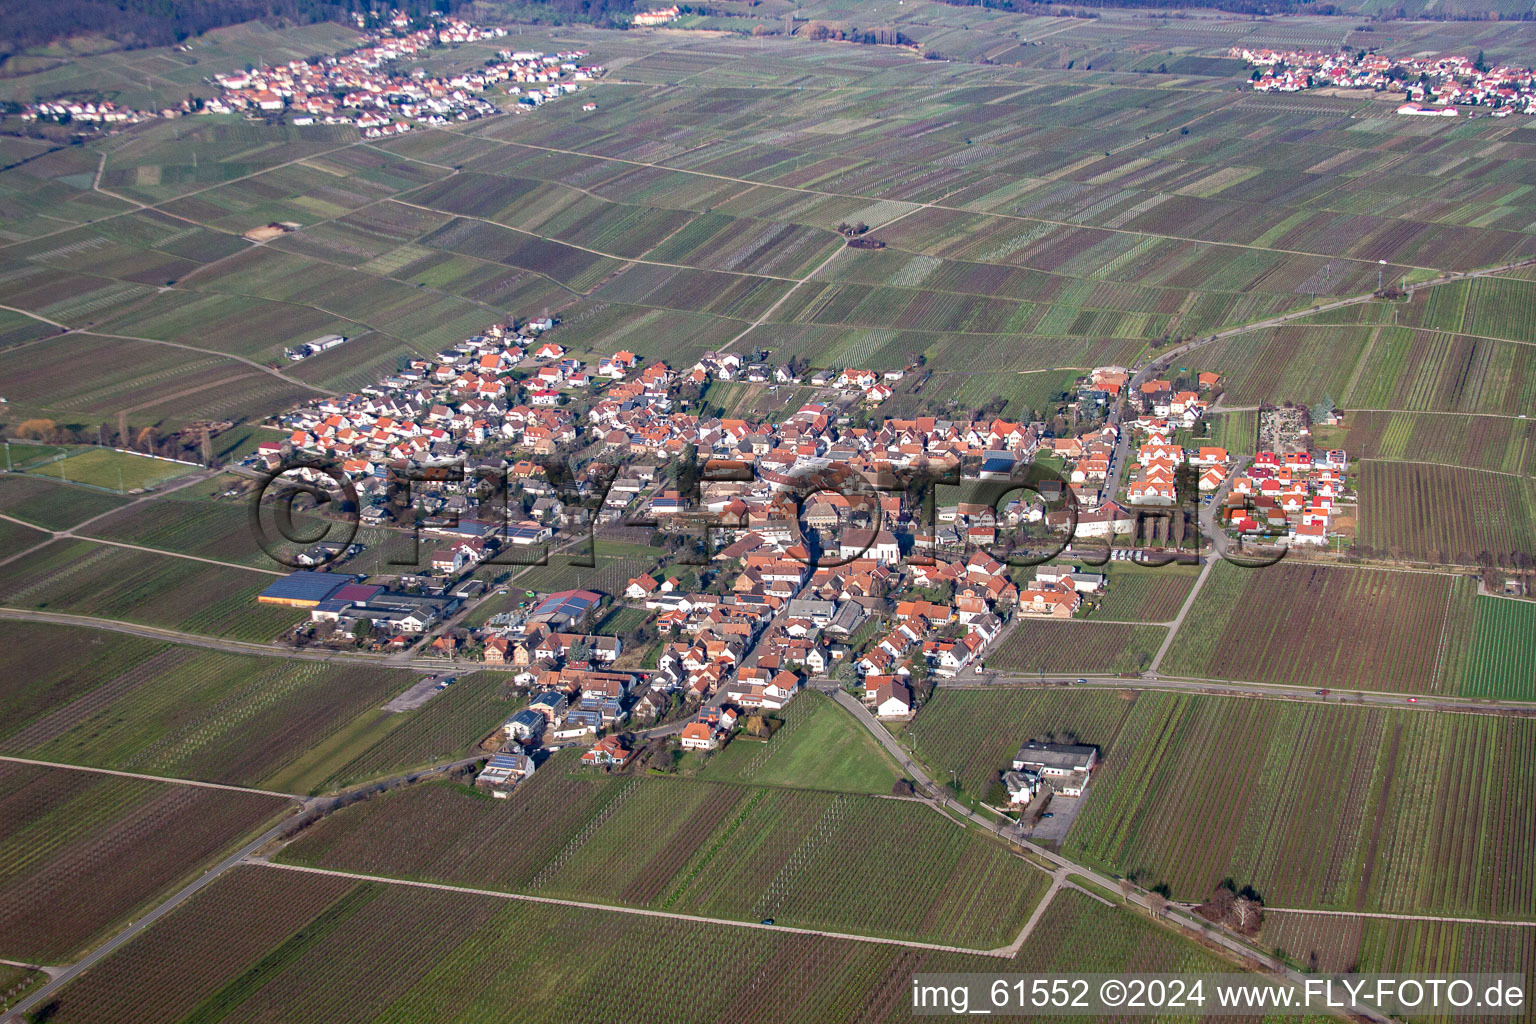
x: 189, y: 524
x: 1330, y: 942
x: 1049, y: 193
x: 975, y: 733
x: 1033, y: 645
x: 159, y: 383
x: 1445, y: 514
x: 185, y: 712
x: 1501, y: 662
x: 1143, y: 594
x: 83, y: 578
x: 1436, y: 371
x: 15, y: 537
x: 1317, y: 805
x: 1237, y: 432
x: 49, y: 505
x: 819, y: 746
x: 1302, y: 624
x: 411, y: 954
x: 804, y: 857
x: 45, y: 667
x: 1489, y: 443
x: 445, y: 728
x: 1286, y: 364
x: 16, y: 982
x: 83, y: 851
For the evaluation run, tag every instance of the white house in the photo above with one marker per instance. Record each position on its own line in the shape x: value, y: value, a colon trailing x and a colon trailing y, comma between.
x: 893, y: 700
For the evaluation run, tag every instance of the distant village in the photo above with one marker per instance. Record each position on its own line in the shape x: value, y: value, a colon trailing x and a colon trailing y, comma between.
x: 369, y: 87
x: 1443, y: 83
x: 761, y: 584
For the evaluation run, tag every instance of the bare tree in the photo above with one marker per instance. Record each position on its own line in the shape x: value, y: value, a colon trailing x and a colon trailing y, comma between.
x: 1157, y: 903
x: 1246, y: 913
x: 1221, y: 902
x: 1126, y: 888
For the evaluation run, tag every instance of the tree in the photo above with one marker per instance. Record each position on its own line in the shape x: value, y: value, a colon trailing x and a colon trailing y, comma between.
x: 1157, y: 903
x: 1222, y: 900
x: 1126, y: 888
x: 1246, y: 913
x: 579, y: 651
x: 901, y: 787
x: 36, y: 430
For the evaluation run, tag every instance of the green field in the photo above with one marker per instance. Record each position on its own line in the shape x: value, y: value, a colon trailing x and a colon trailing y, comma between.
x: 16, y: 982
x: 340, y: 950
x: 1042, y: 646
x: 65, y: 830
x: 179, y: 711
x: 52, y: 506
x: 446, y: 728
x: 83, y: 578
x: 186, y: 523
x: 116, y: 471
x: 1502, y: 660
x: 1137, y: 593
x: 1340, y: 943
x: 820, y: 746
x: 810, y: 858
x: 975, y: 733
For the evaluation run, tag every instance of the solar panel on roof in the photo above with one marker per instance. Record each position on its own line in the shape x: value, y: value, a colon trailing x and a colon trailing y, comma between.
x: 305, y: 585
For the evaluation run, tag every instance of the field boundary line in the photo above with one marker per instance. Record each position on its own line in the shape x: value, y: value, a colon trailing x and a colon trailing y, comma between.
x: 1381, y: 915
x: 177, y: 636
x: 958, y: 210
x: 1445, y: 624
x: 1058, y: 882
x: 71, y: 535
x: 639, y: 911
x: 1442, y: 465
x: 150, y: 778
x: 1177, y: 622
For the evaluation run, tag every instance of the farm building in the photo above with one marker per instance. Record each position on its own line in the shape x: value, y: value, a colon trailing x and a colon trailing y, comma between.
x: 1055, y: 758
x: 1065, y: 766
x: 303, y: 589
x: 505, y: 768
